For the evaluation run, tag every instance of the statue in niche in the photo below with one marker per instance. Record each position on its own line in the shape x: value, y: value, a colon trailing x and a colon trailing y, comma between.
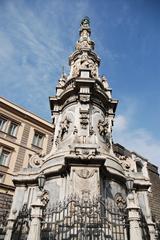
x: 64, y: 127
x: 103, y: 127
x: 86, y: 62
x: 91, y: 139
x: 62, y: 80
x: 85, y: 34
x: 84, y: 59
x: 104, y: 82
x: 104, y: 131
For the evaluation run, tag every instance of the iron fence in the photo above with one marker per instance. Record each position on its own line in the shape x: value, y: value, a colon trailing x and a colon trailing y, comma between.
x: 82, y: 219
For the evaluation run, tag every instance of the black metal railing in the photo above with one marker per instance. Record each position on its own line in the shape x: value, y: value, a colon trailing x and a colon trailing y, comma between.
x: 91, y: 219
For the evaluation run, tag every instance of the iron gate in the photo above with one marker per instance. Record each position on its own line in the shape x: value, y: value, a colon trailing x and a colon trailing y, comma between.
x: 80, y: 219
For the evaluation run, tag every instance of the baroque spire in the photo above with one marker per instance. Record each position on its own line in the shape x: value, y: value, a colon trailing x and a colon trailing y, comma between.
x: 84, y: 41
x: 84, y: 57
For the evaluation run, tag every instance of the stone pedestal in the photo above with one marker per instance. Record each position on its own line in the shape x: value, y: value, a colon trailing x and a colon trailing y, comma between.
x: 9, y: 228
x: 133, y: 218
x: 36, y: 215
x: 152, y: 231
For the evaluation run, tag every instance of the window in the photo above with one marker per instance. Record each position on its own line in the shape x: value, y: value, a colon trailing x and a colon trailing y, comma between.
x: 139, y: 166
x: 1, y: 177
x: 4, y: 157
x: 8, y: 126
x: 38, y: 139
x: 3, y: 122
x: 12, y: 129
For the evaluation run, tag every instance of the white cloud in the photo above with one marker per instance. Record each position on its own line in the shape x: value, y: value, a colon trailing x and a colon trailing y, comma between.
x: 33, y: 49
x: 136, y: 139
x: 120, y: 123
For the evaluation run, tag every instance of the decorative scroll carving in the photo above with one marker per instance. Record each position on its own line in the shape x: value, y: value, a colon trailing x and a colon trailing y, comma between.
x: 84, y: 119
x: 120, y: 201
x: 85, y: 173
x: 125, y: 162
x: 35, y: 161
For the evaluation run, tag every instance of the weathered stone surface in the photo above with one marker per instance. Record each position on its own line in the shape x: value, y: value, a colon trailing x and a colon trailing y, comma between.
x: 82, y: 160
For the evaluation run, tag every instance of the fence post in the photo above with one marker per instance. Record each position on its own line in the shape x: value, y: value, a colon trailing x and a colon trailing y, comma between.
x: 36, y: 216
x: 133, y: 218
x: 9, y: 227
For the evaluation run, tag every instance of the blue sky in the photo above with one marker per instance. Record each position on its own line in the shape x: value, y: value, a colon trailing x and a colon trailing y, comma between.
x: 36, y: 38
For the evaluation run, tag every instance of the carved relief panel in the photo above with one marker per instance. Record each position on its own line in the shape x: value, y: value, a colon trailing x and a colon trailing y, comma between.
x: 84, y: 61
x: 84, y: 118
x: 85, y: 181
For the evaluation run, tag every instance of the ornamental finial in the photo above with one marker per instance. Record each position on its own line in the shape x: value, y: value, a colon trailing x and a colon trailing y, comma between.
x: 85, y: 26
x: 85, y: 22
x: 84, y: 41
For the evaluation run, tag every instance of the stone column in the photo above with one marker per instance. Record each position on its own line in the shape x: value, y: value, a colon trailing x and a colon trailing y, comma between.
x: 9, y: 228
x: 16, y: 206
x: 133, y: 218
x: 36, y: 215
x: 150, y: 223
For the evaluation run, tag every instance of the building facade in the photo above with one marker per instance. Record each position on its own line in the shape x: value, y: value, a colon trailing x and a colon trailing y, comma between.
x: 85, y: 188
x: 145, y: 167
x: 22, y: 135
